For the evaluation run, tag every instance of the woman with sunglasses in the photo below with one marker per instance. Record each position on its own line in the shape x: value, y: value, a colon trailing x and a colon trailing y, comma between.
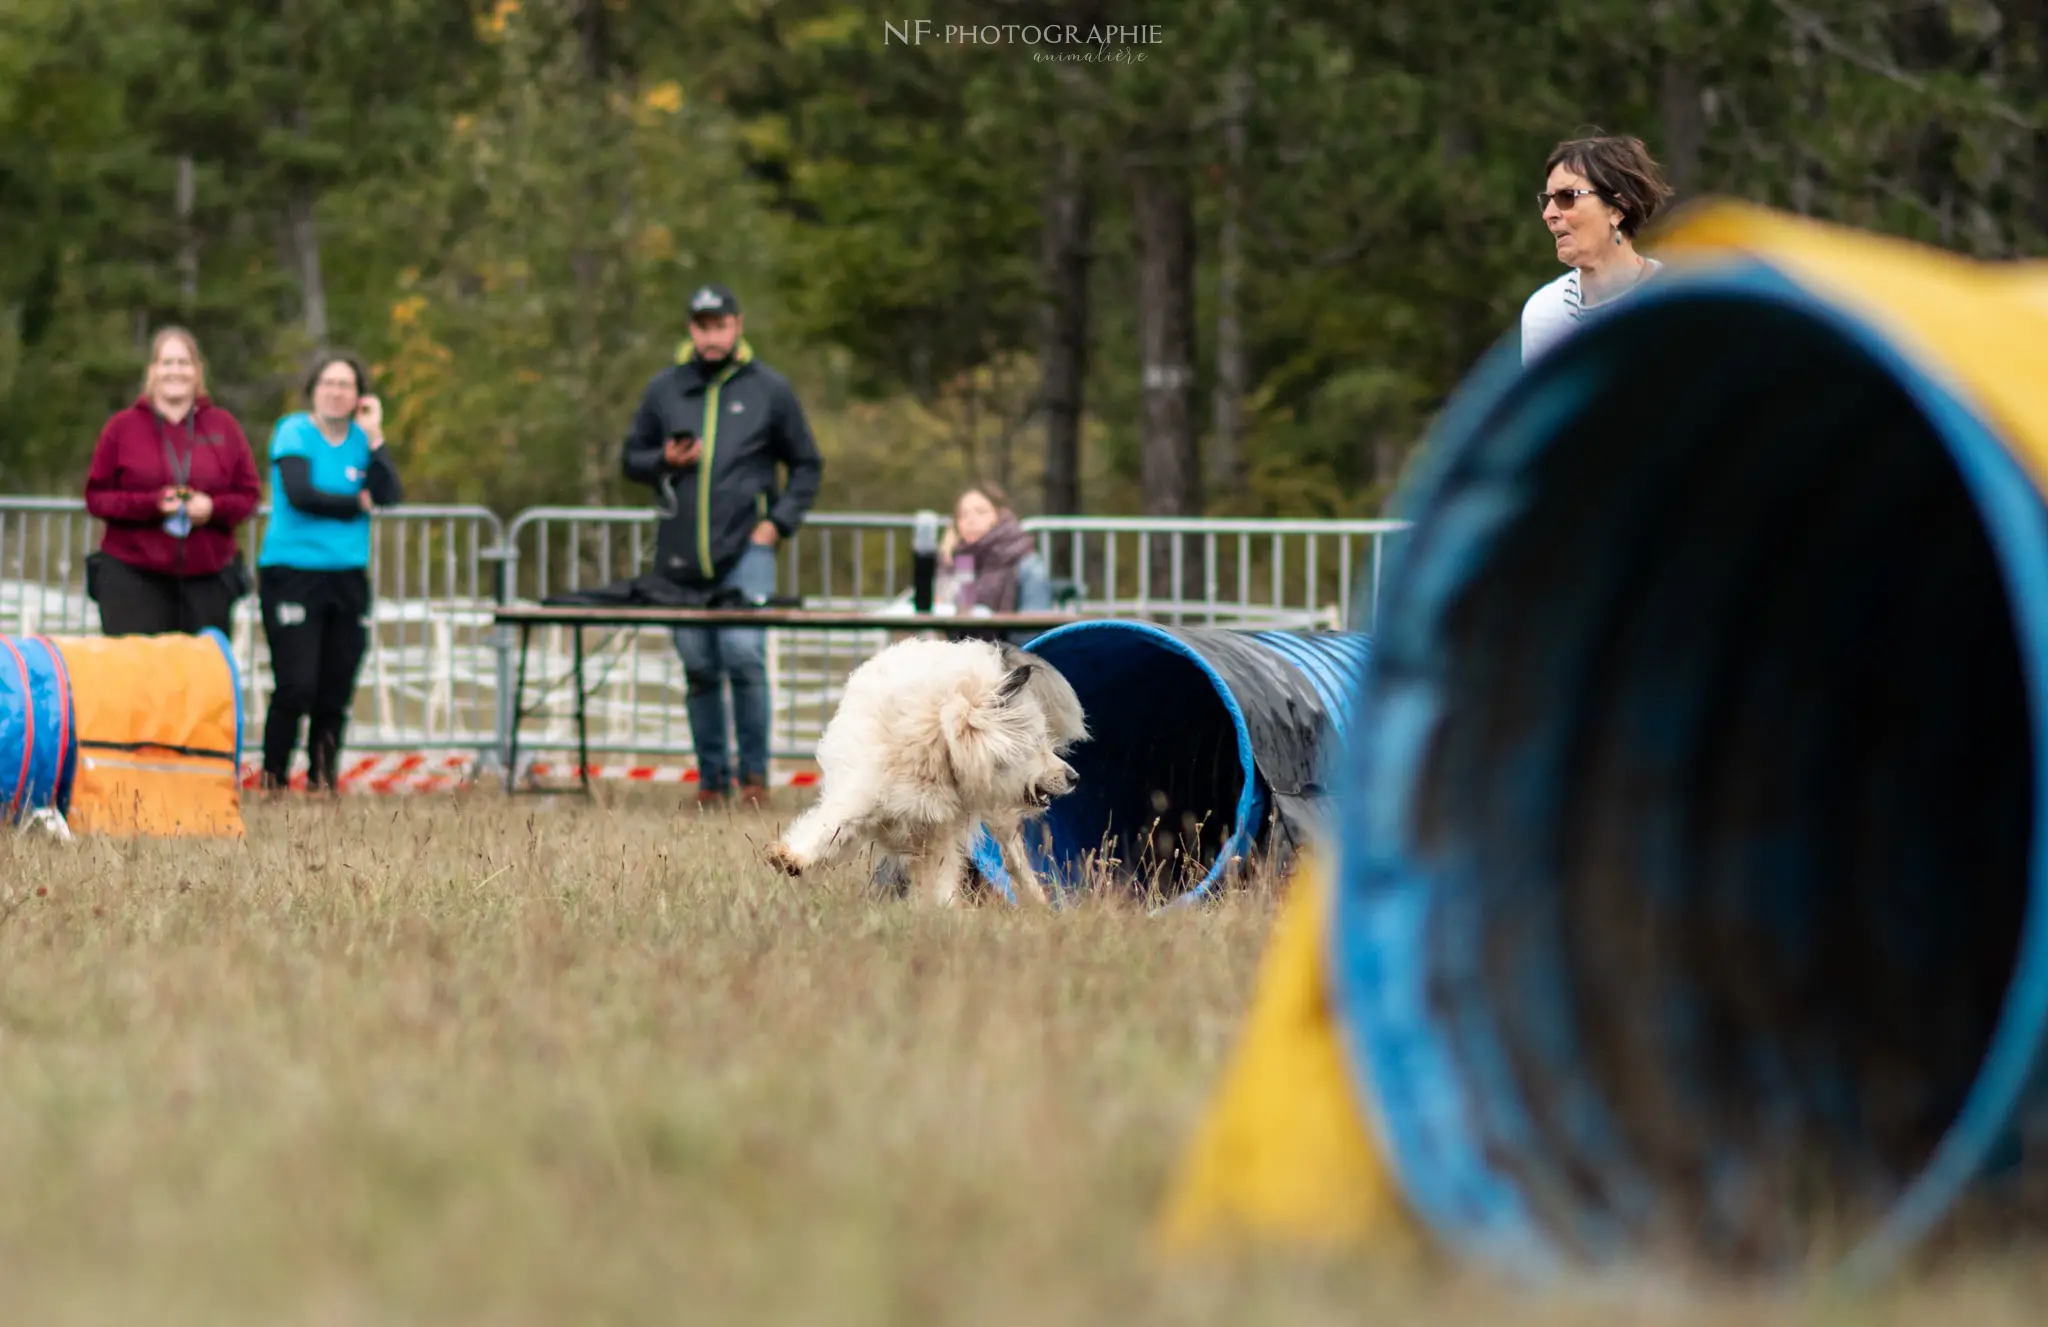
x: 1597, y: 195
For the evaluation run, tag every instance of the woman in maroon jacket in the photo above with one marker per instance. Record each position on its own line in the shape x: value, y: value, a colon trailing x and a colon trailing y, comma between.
x: 172, y: 477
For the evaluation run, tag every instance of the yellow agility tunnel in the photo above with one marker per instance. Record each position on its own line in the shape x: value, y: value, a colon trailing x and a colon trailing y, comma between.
x: 1686, y: 897
x: 124, y: 735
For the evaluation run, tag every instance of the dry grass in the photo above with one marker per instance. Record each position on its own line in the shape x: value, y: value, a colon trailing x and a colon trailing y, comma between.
x: 429, y: 1061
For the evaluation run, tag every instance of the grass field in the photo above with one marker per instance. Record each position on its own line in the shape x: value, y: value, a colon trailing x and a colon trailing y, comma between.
x: 439, y: 1061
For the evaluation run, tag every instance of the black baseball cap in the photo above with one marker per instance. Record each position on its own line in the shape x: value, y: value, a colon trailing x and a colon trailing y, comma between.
x: 713, y: 299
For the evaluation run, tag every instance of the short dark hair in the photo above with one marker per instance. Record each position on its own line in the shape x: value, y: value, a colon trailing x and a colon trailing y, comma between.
x: 327, y: 359
x: 1621, y: 168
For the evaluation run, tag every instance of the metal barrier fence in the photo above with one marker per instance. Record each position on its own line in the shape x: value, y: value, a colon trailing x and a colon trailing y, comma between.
x: 437, y: 675
x: 1268, y: 573
x: 432, y: 675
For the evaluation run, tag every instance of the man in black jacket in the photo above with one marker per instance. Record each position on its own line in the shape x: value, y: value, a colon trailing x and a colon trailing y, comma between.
x: 709, y: 434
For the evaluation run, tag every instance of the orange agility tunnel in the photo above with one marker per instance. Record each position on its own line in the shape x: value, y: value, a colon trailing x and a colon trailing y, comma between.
x: 123, y: 735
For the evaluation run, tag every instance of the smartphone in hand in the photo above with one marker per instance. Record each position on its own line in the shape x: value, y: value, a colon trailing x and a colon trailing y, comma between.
x: 682, y: 450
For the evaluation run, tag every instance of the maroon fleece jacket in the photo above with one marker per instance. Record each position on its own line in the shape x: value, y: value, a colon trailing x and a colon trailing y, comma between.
x: 131, y: 467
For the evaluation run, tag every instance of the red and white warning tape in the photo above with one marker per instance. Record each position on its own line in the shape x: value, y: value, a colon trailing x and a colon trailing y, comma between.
x: 445, y: 771
x: 386, y: 772
x: 665, y: 774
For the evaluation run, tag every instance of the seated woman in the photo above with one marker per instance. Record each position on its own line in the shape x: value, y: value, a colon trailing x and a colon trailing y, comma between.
x: 994, y: 560
x: 329, y: 468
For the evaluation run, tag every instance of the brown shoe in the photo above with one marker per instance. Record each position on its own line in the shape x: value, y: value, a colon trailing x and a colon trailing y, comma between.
x: 754, y: 794
x: 710, y: 798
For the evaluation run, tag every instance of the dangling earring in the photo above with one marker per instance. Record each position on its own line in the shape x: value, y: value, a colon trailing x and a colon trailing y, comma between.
x: 1617, y: 232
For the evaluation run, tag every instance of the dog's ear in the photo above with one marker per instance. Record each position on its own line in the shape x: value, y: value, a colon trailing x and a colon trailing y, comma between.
x: 964, y: 724
x: 1014, y: 684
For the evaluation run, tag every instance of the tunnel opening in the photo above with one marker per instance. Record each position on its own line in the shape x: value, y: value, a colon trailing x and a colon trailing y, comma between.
x: 1727, y: 792
x: 1203, y: 756
x: 1168, y: 792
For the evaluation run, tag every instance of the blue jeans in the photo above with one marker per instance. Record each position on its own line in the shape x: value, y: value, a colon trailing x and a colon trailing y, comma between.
x: 714, y: 656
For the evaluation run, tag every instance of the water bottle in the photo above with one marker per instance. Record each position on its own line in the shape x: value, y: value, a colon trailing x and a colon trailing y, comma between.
x: 924, y: 560
x: 958, y: 578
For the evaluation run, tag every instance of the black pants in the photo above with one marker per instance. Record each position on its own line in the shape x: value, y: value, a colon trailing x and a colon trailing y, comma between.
x: 134, y: 602
x: 314, y: 621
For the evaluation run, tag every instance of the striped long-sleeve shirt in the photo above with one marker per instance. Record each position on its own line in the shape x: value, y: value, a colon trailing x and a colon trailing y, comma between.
x: 1556, y: 309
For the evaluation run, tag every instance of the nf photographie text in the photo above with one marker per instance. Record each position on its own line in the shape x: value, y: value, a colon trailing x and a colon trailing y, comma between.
x: 914, y: 32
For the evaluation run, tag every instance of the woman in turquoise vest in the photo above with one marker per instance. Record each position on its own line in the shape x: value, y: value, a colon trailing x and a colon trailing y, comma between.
x: 328, y: 469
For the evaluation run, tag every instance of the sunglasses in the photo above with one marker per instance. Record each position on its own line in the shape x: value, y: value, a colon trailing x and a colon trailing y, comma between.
x: 1564, y: 198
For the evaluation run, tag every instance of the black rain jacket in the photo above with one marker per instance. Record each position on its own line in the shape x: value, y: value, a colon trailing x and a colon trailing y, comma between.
x: 751, y: 423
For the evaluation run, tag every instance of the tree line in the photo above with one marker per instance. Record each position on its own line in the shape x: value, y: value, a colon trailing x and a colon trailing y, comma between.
x: 1233, y: 266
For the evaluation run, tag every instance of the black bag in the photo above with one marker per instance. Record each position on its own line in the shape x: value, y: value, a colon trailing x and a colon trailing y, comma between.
x: 93, y: 562
x: 653, y: 590
x: 241, y: 584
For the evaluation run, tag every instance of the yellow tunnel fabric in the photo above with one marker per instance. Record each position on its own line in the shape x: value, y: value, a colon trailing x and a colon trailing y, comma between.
x: 1980, y: 325
x: 1283, y: 1151
x: 158, y: 736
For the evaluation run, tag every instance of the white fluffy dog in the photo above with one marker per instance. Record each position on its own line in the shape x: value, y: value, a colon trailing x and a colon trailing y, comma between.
x: 931, y: 740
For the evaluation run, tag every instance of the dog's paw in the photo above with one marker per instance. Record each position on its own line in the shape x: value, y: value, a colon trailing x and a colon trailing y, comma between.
x: 780, y: 856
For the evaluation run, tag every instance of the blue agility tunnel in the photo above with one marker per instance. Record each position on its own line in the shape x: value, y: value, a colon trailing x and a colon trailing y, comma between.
x: 1692, y: 893
x: 1206, y: 751
x: 38, y: 730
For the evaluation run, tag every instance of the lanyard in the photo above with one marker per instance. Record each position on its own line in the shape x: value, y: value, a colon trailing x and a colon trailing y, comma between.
x: 181, y: 474
x: 178, y: 524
